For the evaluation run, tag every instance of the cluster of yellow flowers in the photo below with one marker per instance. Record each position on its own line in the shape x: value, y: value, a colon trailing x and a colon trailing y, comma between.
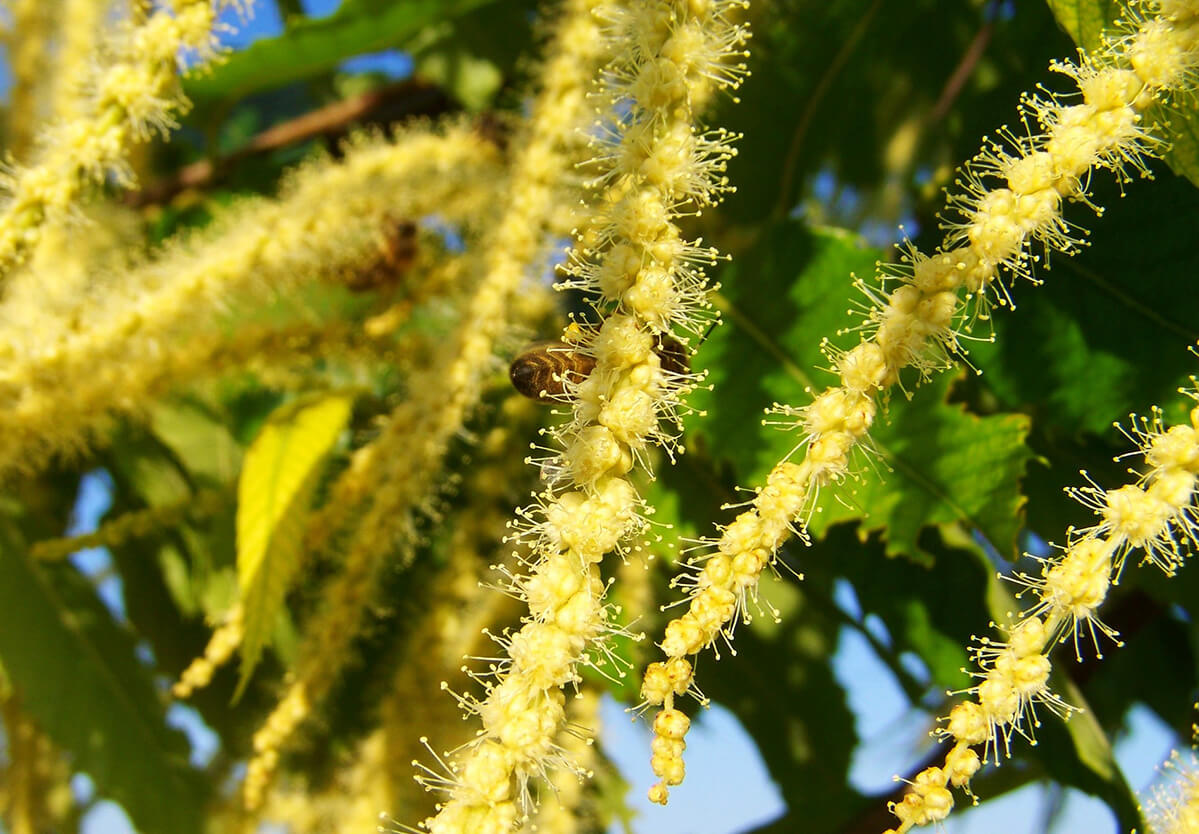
x: 407, y: 455
x: 1155, y: 515
x: 653, y: 165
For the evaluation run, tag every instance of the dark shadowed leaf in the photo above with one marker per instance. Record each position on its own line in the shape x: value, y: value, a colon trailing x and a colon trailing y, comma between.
x: 79, y: 677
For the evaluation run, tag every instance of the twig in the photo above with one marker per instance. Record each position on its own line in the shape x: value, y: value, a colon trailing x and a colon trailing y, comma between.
x: 405, y: 99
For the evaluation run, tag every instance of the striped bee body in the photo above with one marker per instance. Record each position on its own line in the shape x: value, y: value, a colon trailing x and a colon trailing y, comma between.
x: 542, y: 370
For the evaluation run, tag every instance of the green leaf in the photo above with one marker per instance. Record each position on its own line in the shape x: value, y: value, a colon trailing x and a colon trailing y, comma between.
x: 1086, y: 21
x: 200, y: 441
x: 930, y: 611
x: 279, y: 476
x: 861, y: 114
x: 939, y: 464
x: 778, y: 302
x: 311, y: 46
x: 464, y: 56
x: 79, y: 677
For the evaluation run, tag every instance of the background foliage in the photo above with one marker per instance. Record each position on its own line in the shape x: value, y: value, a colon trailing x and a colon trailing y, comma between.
x: 853, y: 119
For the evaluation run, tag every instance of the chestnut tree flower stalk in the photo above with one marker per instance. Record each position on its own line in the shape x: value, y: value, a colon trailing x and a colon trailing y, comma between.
x: 37, y: 774
x: 140, y: 331
x: 80, y: 26
x: 395, y: 477
x: 563, y: 808
x: 30, y: 53
x: 132, y: 97
x: 645, y: 279
x: 1009, y: 205
x: 455, y: 610
x: 1157, y: 516
x: 135, y: 524
x: 221, y: 647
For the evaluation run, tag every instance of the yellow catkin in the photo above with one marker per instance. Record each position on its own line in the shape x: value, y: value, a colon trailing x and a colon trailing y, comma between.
x: 37, y: 795
x: 564, y: 808
x: 645, y: 279
x: 80, y: 26
x: 135, y: 524
x: 129, y: 100
x: 221, y: 646
x: 396, y: 474
x: 1011, y: 200
x: 57, y: 288
x: 56, y: 385
x: 29, y: 59
x: 370, y: 462
x: 458, y: 615
x: 348, y: 802
x: 1173, y: 807
x: 348, y: 595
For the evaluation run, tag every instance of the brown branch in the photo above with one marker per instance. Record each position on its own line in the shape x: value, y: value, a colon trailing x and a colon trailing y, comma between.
x: 394, y: 102
x: 791, y: 161
x: 963, y: 71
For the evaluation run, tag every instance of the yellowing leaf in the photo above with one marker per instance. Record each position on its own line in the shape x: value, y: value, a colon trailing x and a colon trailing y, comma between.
x: 279, y: 474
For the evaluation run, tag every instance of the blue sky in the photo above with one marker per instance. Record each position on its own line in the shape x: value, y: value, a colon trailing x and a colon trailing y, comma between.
x: 728, y: 788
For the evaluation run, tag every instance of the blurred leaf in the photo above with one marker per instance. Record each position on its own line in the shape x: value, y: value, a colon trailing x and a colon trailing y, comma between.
x: 472, y: 80
x: 1086, y: 21
x: 931, y: 611
x: 78, y: 676
x: 200, y: 441
x: 1158, y: 647
x: 1062, y: 355
x: 280, y: 474
x: 1088, y: 760
x: 464, y: 56
x: 945, y: 465
x: 196, y: 560
x: 461, y: 32
x: 875, y: 96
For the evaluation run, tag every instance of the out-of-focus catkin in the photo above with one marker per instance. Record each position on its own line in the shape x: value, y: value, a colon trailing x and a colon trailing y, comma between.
x: 162, y: 317
x: 131, y: 97
x: 394, y: 486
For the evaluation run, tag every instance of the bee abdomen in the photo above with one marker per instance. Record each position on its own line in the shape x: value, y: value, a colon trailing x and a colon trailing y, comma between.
x: 673, y: 355
x: 541, y: 370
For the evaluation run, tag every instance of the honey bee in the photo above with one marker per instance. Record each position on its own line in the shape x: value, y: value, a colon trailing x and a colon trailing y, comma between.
x: 398, y: 248
x: 542, y: 370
